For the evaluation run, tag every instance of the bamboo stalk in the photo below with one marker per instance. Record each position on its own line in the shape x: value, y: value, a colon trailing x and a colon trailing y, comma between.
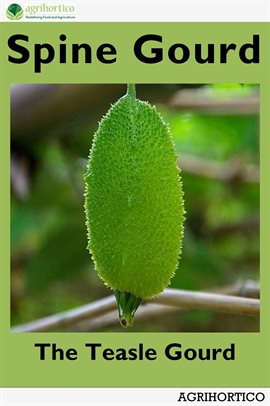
x: 243, y: 288
x: 234, y: 170
x: 69, y: 317
x: 196, y: 101
x: 171, y: 297
x: 211, y: 301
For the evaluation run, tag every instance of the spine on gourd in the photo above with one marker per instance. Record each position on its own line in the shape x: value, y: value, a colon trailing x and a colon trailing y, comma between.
x: 133, y: 203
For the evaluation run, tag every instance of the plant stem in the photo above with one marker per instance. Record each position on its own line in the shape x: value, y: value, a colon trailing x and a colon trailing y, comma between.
x: 131, y: 90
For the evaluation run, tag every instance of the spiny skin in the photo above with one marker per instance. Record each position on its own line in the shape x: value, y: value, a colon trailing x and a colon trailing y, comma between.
x: 134, y: 202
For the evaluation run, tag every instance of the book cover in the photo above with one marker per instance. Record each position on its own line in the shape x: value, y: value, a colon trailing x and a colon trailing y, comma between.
x: 134, y: 199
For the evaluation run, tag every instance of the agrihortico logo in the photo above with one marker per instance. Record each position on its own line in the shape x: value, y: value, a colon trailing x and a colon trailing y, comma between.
x: 14, y: 12
x: 51, y: 11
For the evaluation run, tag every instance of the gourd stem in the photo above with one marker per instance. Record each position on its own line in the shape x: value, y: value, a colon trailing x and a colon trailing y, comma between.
x: 131, y: 90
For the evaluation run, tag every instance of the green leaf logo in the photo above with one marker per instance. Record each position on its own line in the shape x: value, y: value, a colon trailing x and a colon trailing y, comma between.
x: 14, y: 12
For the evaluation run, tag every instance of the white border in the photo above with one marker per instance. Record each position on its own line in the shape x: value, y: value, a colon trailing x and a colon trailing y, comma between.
x: 156, y: 10
x: 144, y: 11
x: 121, y: 396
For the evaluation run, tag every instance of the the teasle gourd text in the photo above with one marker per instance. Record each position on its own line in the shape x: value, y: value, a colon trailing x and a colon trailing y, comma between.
x: 148, y: 49
x: 172, y: 351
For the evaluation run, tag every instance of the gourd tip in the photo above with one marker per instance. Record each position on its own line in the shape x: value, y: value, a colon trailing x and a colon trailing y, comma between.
x: 127, y: 305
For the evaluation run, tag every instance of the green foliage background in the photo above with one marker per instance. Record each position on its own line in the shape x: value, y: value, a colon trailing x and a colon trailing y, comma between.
x: 51, y: 270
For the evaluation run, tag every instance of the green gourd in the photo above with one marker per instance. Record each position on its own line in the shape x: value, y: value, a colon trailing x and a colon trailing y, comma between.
x: 133, y: 203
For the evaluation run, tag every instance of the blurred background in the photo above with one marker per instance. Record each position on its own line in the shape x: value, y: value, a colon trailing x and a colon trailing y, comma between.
x: 216, y: 133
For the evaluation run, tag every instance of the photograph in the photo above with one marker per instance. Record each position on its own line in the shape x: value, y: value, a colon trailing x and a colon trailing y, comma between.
x: 135, y: 207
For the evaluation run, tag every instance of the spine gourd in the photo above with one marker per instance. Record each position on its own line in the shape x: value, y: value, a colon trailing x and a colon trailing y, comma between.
x: 133, y: 203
